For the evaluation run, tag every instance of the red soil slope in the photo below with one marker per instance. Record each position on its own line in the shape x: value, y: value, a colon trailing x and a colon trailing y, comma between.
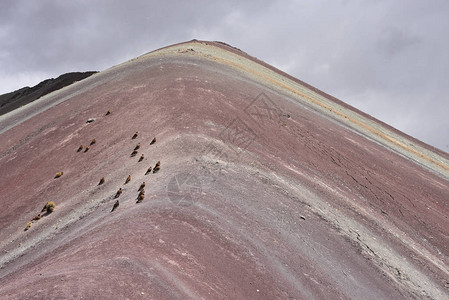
x: 267, y: 189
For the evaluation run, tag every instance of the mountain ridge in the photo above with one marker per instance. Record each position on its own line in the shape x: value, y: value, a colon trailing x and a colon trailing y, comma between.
x: 13, y: 100
x: 262, y: 192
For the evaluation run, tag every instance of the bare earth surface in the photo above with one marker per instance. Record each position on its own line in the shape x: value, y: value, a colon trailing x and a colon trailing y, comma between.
x: 16, y: 99
x: 268, y: 189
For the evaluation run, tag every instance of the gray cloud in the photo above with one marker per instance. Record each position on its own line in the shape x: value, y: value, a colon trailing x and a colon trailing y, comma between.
x: 387, y: 58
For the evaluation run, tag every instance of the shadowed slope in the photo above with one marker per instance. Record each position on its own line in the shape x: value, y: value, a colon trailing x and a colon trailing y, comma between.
x: 23, y: 96
x: 267, y: 189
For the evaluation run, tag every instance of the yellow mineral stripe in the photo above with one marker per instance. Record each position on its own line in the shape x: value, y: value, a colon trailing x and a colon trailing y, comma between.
x: 369, y: 128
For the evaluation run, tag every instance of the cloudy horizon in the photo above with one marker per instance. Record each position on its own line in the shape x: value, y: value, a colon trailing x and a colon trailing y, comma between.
x: 386, y: 58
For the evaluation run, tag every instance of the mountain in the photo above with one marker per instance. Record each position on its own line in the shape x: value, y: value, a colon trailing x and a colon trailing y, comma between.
x: 267, y: 189
x: 23, y: 96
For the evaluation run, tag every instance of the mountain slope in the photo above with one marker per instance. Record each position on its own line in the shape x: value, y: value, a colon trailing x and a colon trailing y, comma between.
x: 23, y: 96
x: 268, y: 189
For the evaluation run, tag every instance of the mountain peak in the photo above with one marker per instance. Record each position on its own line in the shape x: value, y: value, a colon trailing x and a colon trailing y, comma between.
x: 198, y: 171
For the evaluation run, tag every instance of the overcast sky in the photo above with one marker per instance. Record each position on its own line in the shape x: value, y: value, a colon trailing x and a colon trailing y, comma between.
x: 389, y: 58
